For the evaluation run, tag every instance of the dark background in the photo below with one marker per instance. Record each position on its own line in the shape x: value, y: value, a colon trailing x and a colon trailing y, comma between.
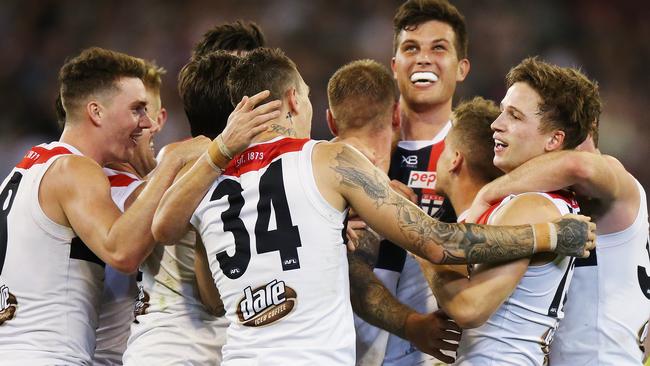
x: 609, y: 40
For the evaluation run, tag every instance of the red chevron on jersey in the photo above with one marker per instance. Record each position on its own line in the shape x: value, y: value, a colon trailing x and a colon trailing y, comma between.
x: 120, y: 180
x: 40, y: 155
x: 259, y: 156
x: 483, y: 219
x: 566, y: 196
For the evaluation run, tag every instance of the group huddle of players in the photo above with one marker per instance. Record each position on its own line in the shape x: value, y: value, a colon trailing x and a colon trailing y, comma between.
x: 421, y: 234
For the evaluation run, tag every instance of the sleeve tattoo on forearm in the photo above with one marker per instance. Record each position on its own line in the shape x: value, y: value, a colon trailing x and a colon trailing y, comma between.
x: 461, y: 243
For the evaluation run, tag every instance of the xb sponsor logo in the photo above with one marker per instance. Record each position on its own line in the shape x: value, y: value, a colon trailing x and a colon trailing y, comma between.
x: 419, y: 179
x: 410, y: 161
x: 8, y: 304
x: 266, y: 304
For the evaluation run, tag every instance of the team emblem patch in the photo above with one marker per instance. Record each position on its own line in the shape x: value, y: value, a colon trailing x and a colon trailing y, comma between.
x: 8, y: 304
x: 266, y: 304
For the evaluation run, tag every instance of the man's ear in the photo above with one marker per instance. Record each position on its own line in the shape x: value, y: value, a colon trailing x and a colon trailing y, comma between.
x: 555, y: 141
x: 457, y: 162
x: 397, y: 117
x: 95, y: 112
x: 292, y: 97
x: 463, y: 69
x: 331, y: 122
x: 162, y: 118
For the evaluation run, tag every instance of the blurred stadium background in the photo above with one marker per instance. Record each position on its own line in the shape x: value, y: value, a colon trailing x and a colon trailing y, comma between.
x: 609, y: 40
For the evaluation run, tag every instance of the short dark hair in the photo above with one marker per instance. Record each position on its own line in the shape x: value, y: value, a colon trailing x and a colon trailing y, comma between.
x: 359, y: 92
x: 412, y: 13
x: 95, y: 70
x: 202, y: 87
x: 570, y: 101
x: 471, y: 133
x: 238, y: 35
x: 262, y: 69
x: 152, y: 80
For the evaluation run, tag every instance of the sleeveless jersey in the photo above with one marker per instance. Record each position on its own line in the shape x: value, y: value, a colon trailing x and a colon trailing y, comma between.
x: 172, y: 326
x: 120, y: 290
x: 50, y: 282
x: 521, y: 329
x: 276, y: 252
x: 414, y: 164
x: 609, y: 300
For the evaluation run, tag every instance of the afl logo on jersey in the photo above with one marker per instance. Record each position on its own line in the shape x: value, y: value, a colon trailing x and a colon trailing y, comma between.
x: 422, y: 180
x: 8, y: 304
x: 266, y: 304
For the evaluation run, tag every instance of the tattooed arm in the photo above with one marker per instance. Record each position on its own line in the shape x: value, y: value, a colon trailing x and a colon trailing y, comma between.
x: 344, y: 176
x: 471, y: 300
x: 374, y: 303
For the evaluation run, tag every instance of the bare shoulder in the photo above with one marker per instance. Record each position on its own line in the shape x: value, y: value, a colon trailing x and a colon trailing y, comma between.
x: 526, y: 208
x: 73, y: 171
x: 69, y: 177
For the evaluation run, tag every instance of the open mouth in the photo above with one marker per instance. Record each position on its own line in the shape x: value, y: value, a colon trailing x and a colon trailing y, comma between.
x: 499, y: 145
x: 423, y: 78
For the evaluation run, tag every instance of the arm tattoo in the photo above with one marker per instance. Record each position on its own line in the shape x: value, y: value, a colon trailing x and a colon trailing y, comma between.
x: 287, y: 131
x: 367, y: 247
x: 372, y: 301
x: 460, y: 243
x: 571, y: 236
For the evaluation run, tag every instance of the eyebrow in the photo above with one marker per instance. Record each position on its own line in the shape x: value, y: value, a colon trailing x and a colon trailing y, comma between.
x: 512, y: 107
x: 411, y: 40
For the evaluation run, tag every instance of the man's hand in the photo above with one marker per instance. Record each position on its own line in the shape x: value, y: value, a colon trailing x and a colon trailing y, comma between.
x: 432, y: 333
x: 353, y: 239
x: 249, y: 120
x: 186, y: 151
x: 576, y: 235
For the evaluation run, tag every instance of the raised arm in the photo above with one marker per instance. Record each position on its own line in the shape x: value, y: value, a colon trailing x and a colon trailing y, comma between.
x: 78, y: 195
x: 471, y: 300
x: 344, y: 176
x: 246, y: 122
x: 589, y: 174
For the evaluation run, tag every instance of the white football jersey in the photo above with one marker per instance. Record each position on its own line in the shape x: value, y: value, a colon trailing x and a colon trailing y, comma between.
x: 521, y: 329
x: 609, y: 300
x: 50, y: 282
x: 172, y: 326
x: 120, y: 290
x: 276, y: 252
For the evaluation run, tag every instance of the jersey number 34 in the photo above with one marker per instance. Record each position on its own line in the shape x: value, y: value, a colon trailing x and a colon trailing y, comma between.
x: 284, y: 239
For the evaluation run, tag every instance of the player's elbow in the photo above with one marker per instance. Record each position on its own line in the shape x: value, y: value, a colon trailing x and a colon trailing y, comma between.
x: 579, y: 166
x: 123, y: 263
x: 467, y: 314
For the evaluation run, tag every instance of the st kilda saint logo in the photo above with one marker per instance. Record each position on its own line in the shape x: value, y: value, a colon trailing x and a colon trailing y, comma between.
x: 266, y: 304
x: 8, y: 304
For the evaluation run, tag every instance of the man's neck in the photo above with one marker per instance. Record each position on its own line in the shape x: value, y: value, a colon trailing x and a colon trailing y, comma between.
x: 81, y: 140
x: 279, y: 127
x: 423, y: 124
x: 378, y: 144
x: 462, y: 194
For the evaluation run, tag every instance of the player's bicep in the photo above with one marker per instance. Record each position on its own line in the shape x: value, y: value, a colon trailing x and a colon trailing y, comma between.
x: 83, y: 192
